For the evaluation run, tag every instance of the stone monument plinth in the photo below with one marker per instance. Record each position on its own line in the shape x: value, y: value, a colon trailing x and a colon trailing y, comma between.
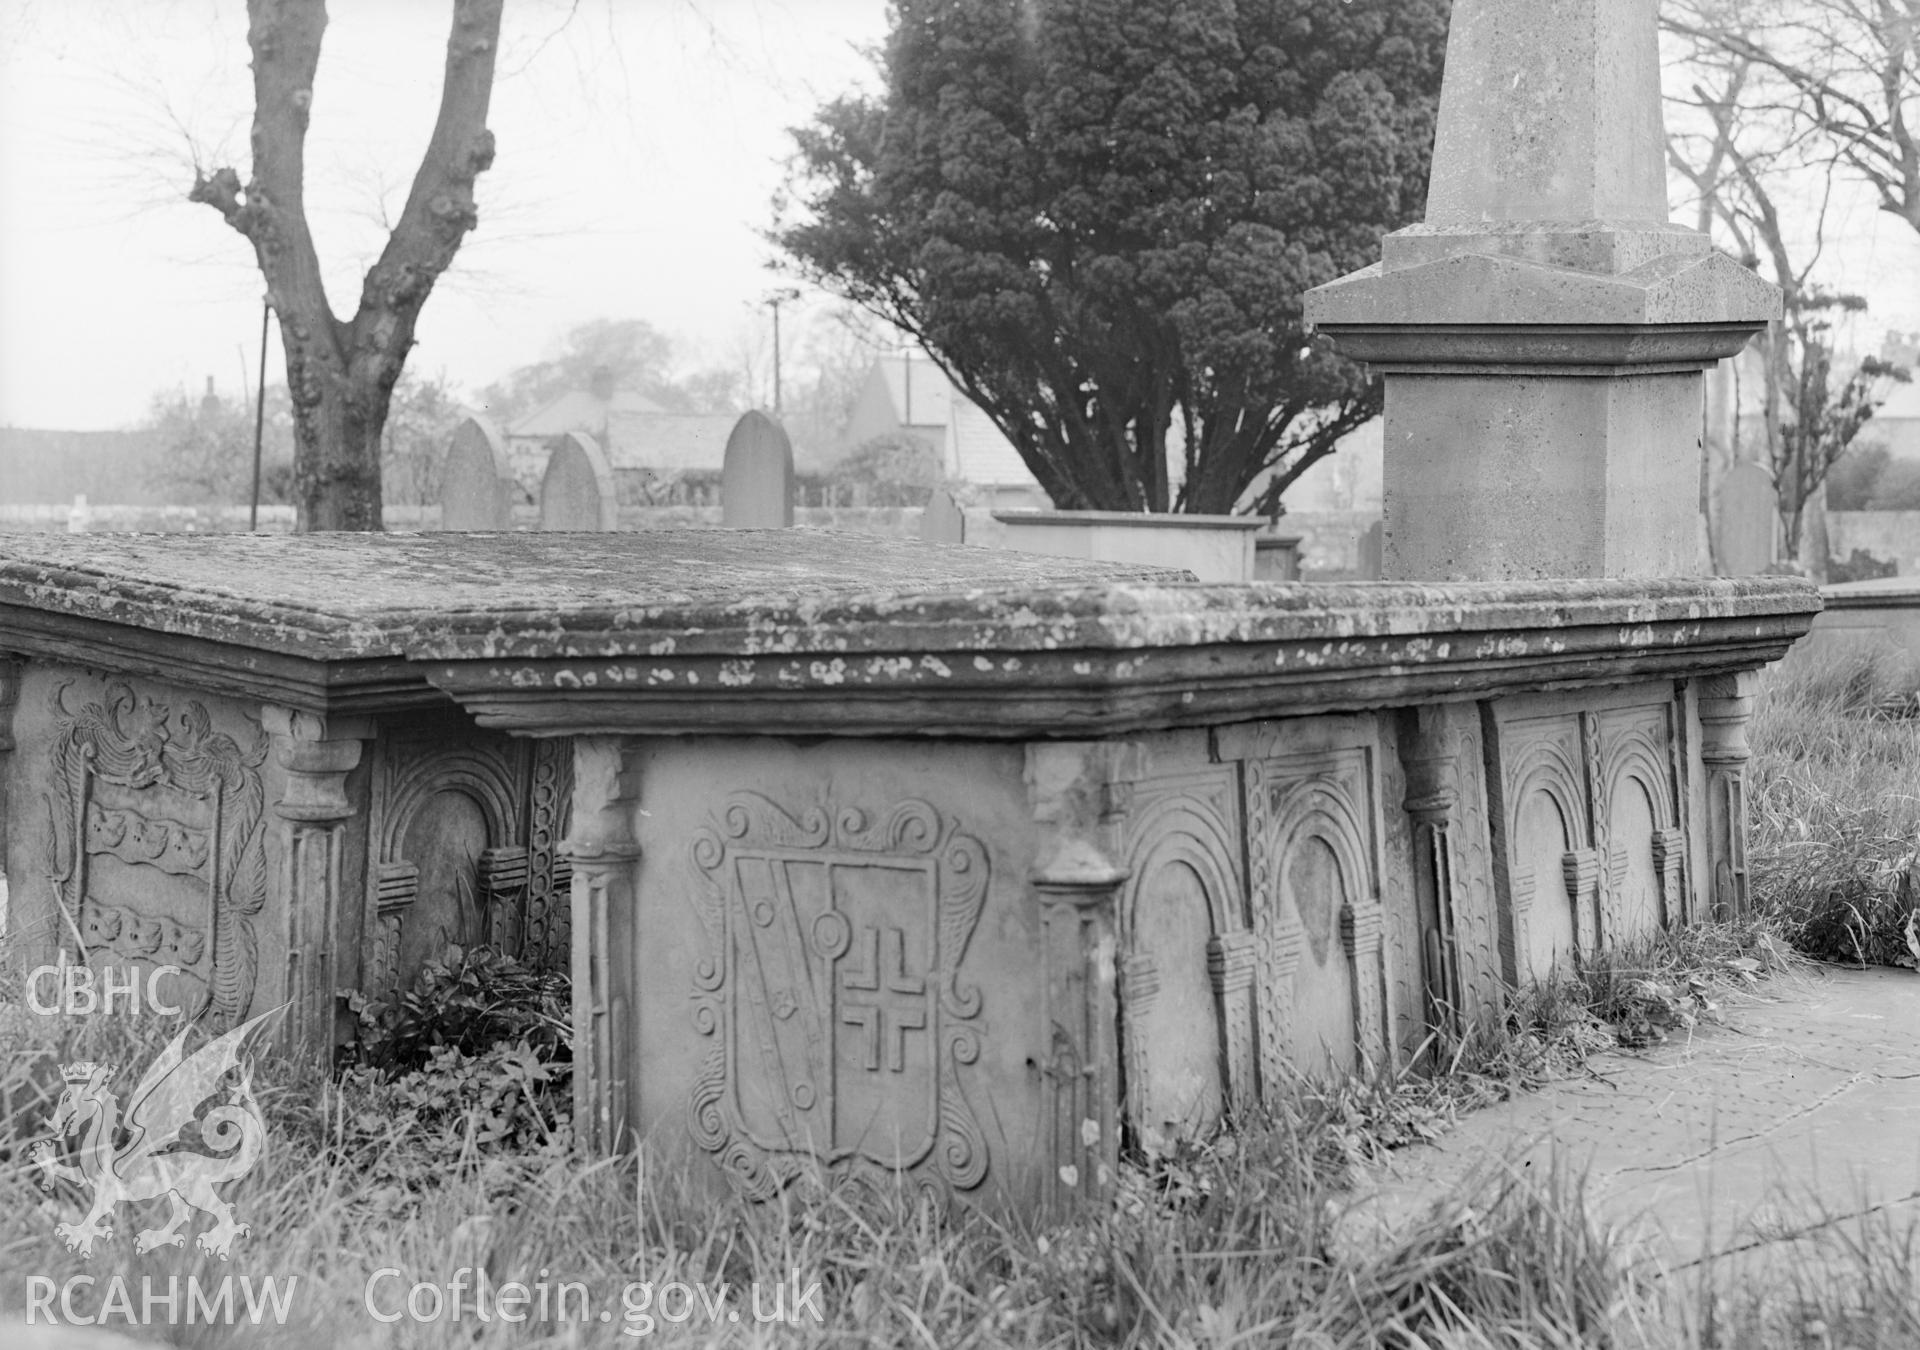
x: 1545, y: 331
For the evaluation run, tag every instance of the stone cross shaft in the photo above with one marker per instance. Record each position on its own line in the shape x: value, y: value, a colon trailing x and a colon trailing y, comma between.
x: 1544, y: 332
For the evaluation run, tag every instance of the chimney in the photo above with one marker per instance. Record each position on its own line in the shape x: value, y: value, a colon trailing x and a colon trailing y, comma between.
x: 600, y: 383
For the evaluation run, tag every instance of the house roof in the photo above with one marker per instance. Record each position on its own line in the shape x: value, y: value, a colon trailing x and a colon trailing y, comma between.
x: 1902, y: 406
x: 977, y: 452
x: 582, y: 410
x: 39, y: 465
x: 921, y: 395
x: 669, y: 442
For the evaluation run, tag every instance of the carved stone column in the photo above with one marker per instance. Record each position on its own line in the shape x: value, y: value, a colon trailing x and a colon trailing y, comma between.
x: 1433, y: 795
x: 603, y: 850
x: 316, y: 754
x: 1726, y: 710
x: 1077, y: 883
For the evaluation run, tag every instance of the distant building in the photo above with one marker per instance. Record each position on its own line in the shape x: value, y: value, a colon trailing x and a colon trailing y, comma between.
x: 107, y: 467
x: 644, y: 442
x: 909, y: 396
x: 1896, y: 424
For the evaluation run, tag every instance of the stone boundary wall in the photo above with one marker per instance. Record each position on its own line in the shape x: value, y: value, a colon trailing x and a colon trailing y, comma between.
x: 1887, y: 535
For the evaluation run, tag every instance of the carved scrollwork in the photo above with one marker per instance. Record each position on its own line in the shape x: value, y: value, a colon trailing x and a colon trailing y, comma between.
x: 832, y: 990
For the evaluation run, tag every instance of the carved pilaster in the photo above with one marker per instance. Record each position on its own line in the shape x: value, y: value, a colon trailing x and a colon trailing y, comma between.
x: 1077, y: 884
x: 1726, y: 710
x: 396, y: 886
x: 545, y: 938
x: 603, y: 851
x: 1433, y: 797
x: 1139, y: 991
x: 10, y: 676
x: 1231, y: 961
x: 11, y: 672
x: 1669, y: 864
x: 316, y: 755
x: 503, y: 888
x: 1597, y: 920
x: 1581, y: 871
x: 1361, y: 925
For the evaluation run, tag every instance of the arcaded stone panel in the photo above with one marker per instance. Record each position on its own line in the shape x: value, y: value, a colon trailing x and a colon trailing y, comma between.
x: 455, y: 801
x: 1547, y: 827
x: 834, y: 958
x: 1178, y: 814
x: 140, y: 813
x: 1636, y: 780
x: 1591, y: 836
x: 1314, y: 834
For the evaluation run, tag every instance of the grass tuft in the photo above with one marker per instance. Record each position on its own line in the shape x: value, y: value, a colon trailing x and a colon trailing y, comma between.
x: 1835, y: 850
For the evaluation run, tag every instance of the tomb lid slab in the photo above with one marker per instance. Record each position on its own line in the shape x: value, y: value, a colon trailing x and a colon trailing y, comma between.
x: 792, y: 630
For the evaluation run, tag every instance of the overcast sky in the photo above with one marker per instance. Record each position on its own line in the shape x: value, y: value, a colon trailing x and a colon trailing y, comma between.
x: 640, y: 144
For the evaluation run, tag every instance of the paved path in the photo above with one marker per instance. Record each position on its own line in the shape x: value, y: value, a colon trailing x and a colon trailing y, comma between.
x: 1804, y: 1106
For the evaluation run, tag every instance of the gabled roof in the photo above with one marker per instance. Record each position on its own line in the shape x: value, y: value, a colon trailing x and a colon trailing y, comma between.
x: 978, y: 453
x: 920, y: 393
x: 669, y: 442
x: 1902, y: 406
x: 39, y: 465
x: 582, y: 410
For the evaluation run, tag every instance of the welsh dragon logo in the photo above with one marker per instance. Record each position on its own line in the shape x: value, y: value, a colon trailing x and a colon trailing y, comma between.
x: 164, y: 1103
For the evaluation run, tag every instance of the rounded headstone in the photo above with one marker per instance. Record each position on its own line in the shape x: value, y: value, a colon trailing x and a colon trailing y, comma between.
x: 477, y: 486
x: 577, y: 492
x: 756, y: 478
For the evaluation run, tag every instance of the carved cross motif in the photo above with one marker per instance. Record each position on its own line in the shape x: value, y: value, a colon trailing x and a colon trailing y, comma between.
x: 885, y: 998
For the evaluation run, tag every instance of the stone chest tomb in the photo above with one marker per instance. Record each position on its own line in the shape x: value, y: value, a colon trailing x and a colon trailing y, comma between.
x: 879, y: 855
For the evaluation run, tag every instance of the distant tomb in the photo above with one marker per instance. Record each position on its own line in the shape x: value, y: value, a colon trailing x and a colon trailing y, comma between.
x: 1748, y: 509
x: 756, y: 479
x: 577, y: 492
x: 477, y: 489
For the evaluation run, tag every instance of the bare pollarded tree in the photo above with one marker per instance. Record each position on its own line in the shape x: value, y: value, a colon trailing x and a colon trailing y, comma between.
x: 1745, y: 140
x: 1846, y: 71
x: 341, y: 372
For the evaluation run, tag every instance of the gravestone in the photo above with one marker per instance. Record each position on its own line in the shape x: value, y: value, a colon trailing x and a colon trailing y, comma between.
x: 1748, y: 509
x: 945, y: 522
x: 477, y: 489
x: 577, y: 492
x: 1372, y: 553
x: 756, y: 479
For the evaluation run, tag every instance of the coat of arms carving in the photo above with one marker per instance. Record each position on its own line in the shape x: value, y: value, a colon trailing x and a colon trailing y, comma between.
x: 156, y: 843
x: 833, y: 994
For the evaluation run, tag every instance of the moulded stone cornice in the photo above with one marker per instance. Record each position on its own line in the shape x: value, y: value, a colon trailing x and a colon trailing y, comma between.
x: 804, y: 631
x: 1617, y: 349
x: 1335, y: 661
x: 1479, y: 288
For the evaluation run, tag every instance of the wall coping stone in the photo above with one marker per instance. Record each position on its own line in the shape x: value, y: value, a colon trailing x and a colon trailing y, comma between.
x: 1146, y: 520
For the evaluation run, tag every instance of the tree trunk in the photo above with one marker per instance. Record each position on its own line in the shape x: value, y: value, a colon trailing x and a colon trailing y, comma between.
x: 341, y: 374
